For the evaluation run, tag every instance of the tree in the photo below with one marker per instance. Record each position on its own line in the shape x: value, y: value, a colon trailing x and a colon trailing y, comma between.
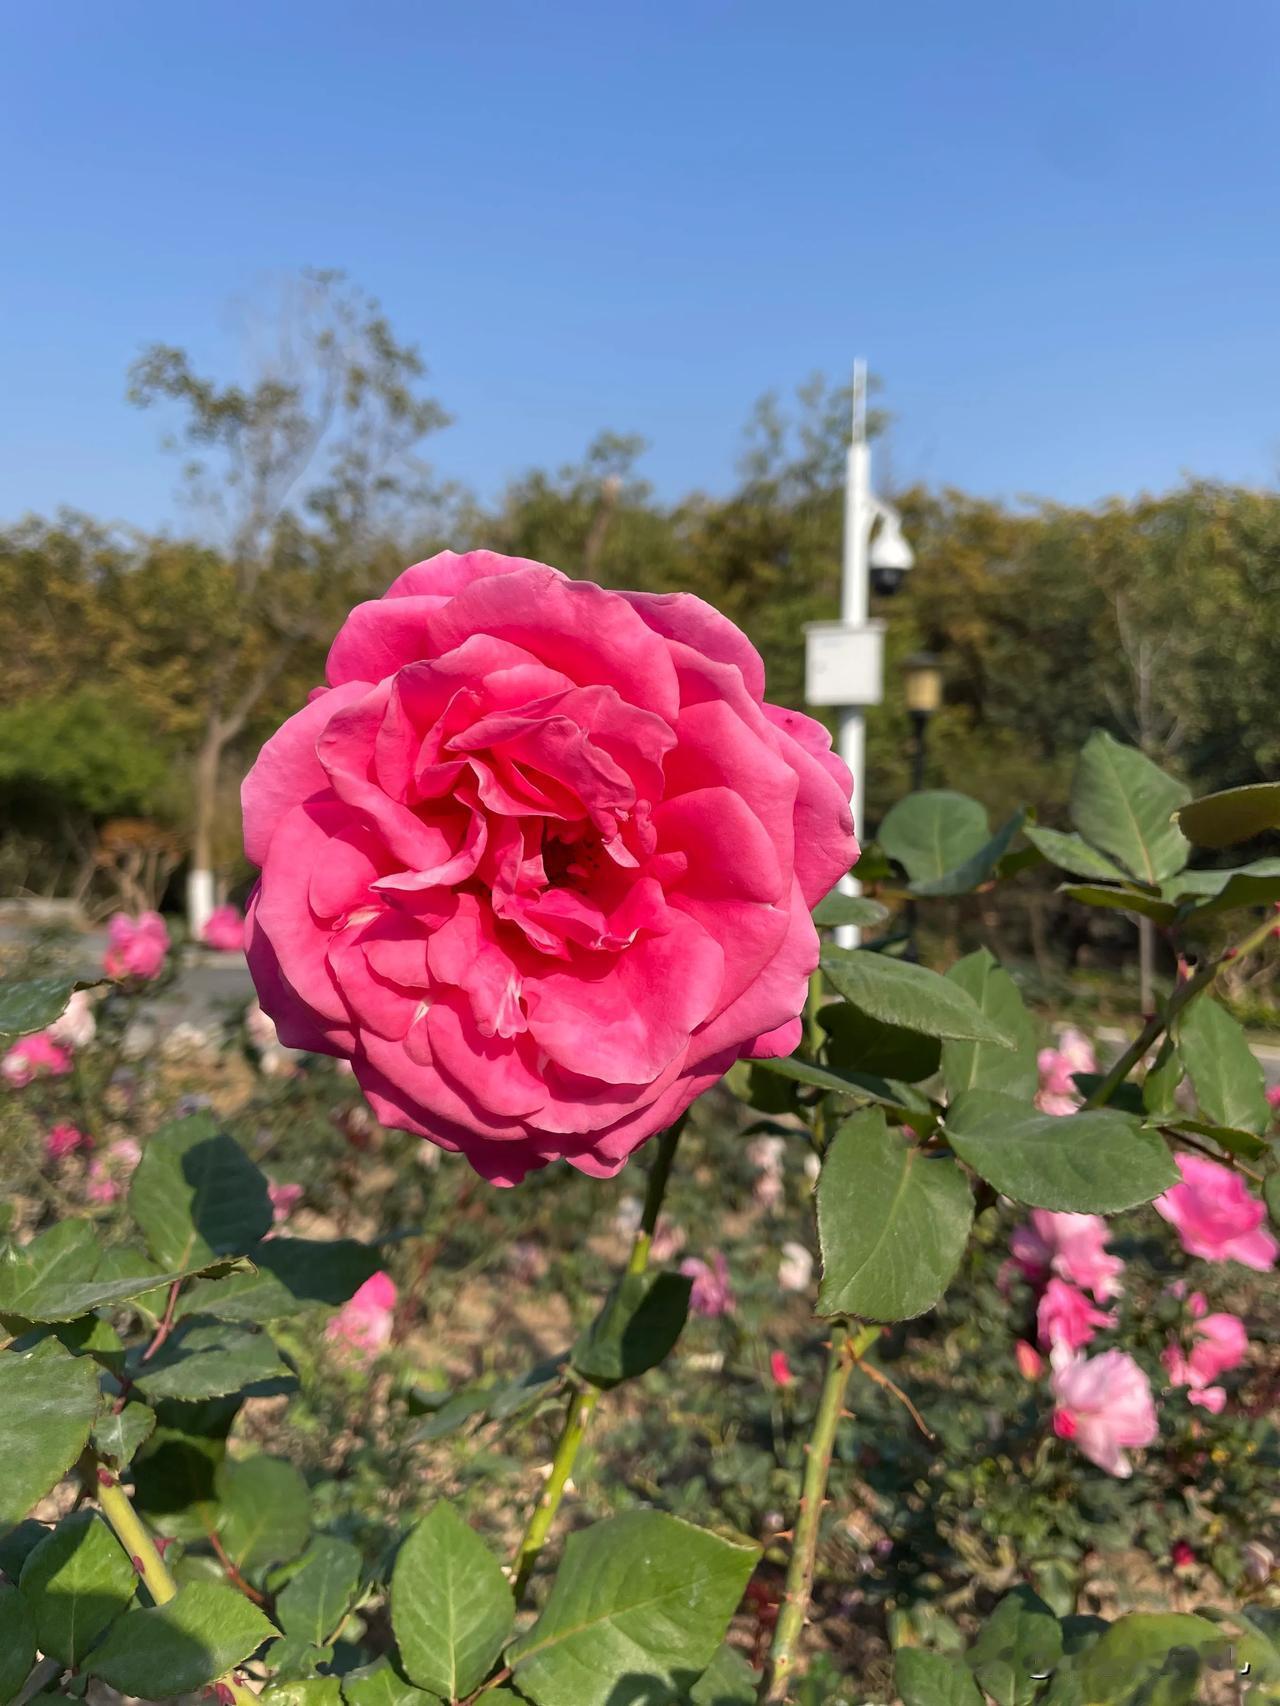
x: 306, y: 470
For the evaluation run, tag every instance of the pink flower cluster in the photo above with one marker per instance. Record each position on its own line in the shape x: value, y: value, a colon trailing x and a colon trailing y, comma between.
x: 137, y: 947
x: 362, y: 1327
x: 1072, y: 1246
x: 1057, y: 1093
x: 224, y: 930
x: 1218, y: 1343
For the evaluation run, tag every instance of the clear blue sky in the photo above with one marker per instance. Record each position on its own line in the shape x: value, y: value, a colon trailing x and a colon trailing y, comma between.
x: 1053, y: 227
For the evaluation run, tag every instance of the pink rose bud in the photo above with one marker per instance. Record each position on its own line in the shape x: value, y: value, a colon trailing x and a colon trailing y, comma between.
x: 63, y: 1140
x: 1030, y: 1362
x: 539, y: 861
x: 1182, y: 1555
x: 712, y: 1293
x: 780, y: 1369
x: 362, y: 1327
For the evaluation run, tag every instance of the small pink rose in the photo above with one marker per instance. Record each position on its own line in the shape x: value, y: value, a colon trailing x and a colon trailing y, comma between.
x: 712, y: 1293
x: 1104, y: 1406
x: 36, y: 1056
x: 224, y: 930
x: 362, y: 1327
x: 137, y: 946
x: 1215, y: 1215
x: 63, y: 1140
x: 1065, y: 1316
x: 284, y: 1199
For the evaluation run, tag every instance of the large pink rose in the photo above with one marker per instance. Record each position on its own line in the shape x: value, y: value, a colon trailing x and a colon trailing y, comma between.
x: 539, y: 861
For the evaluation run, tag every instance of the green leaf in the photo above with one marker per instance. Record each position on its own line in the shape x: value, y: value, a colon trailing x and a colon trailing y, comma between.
x: 119, y: 1434
x: 978, y: 868
x: 1123, y: 803
x: 863, y: 1085
x: 933, y: 832
x: 864, y: 1044
x: 1228, y: 1081
x: 208, y: 1359
x: 292, y: 1659
x: 380, y: 1684
x: 175, y: 1471
x: 29, y: 1004
x: 1236, y: 814
x: 933, y: 1679
x: 165, y: 1650
x: 727, y: 1681
x: 1130, y: 898
x: 970, y: 1066
x: 321, y: 1591
x: 1017, y: 1647
x: 292, y: 1274
x: 1256, y: 884
x: 30, y: 1291
x: 1072, y: 853
x: 47, y: 1404
x: 451, y: 1606
x: 77, y: 1582
x: 638, y: 1325
x: 266, y: 1511
x: 899, y: 993
x: 304, y: 1691
x: 1160, y: 1086
x: 1095, y: 1162
x: 1247, y: 1144
x: 196, y: 1195
x: 535, y: 1384
x: 892, y: 1223
x: 1135, y: 1650
x: 640, y: 1595
x: 837, y: 908
x: 18, y: 1545
x: 17, y: 1642
x: 66, y: 1255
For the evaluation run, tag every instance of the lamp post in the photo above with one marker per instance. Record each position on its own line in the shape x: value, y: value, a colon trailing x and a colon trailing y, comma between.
x: 922, y: 680
x: 844, y: 660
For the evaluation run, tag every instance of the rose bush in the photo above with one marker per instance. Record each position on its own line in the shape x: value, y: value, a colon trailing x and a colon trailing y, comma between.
x: 539, y: 860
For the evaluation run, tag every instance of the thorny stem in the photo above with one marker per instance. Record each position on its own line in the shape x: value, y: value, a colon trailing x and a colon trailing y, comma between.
x: 842, y: 1357
x: 1158, y: 1023
x: 583, y: 1402
x: 134, y: 1536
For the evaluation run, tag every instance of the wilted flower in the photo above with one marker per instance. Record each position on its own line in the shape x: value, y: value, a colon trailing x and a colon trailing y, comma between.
x: 1259, y: 1561
x: 712, y: 1294
x: 1065, y: 1316
x: 1073, y: 1246
x: 138, y: 946
x: 36, y: 1056
x: 224, y: 930
x: 75, y: 1027
x: 766, y: 1153
x: 362, y: 1327
x: 796, y: 1267
x: 1104, y: 1406
x: 627, y: 1215
x: 63, y: 1140
x: 1215, y: 1216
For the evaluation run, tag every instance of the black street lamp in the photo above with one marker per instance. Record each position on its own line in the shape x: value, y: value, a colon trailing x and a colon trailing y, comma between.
x: 922, y: 679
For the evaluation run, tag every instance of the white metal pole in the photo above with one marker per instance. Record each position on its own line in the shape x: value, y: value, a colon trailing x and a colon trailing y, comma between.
x: 854, y: 611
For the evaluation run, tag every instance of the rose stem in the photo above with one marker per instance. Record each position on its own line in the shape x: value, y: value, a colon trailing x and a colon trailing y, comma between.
x: 842, y: 1358
x: 585, y: 1399
x: 133, y: 1535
